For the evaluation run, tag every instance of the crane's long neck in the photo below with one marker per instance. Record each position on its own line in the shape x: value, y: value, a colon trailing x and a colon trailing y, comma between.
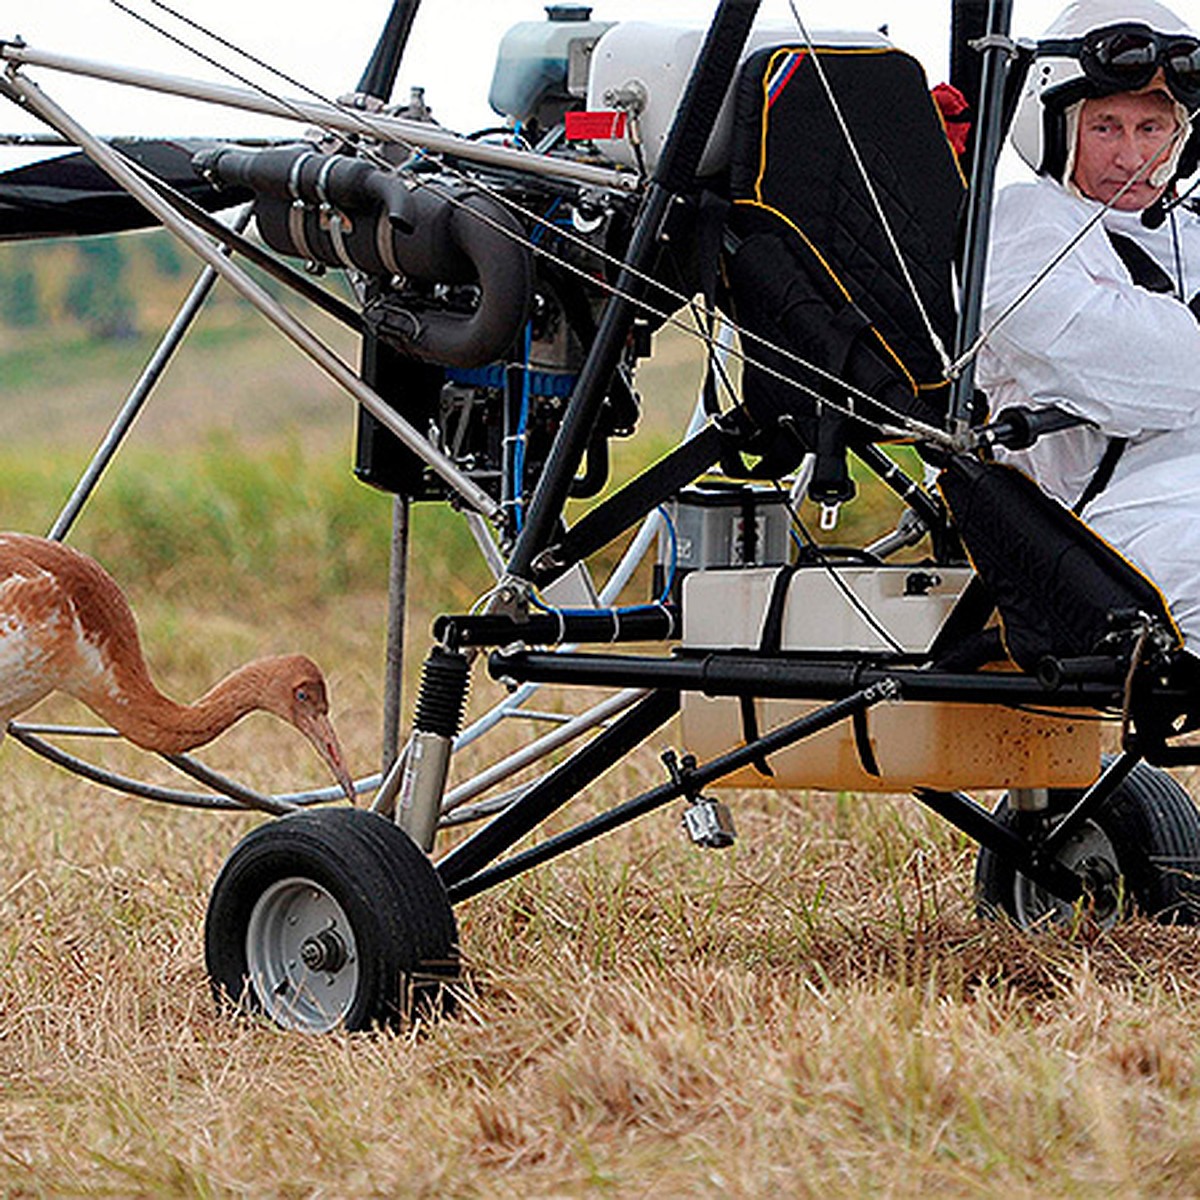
x: 148, y: 718
x: 77, y: 625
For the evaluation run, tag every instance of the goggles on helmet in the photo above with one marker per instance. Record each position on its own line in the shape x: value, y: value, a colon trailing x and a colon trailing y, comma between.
x: 1125, y: 58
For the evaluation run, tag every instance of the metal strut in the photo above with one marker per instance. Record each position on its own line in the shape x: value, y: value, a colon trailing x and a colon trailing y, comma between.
x: 464, y: 873
x: 674, y: 174
x: 427, y: 761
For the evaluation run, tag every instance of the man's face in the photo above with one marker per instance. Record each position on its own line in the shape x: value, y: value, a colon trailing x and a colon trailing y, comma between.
x: 1118, y: 135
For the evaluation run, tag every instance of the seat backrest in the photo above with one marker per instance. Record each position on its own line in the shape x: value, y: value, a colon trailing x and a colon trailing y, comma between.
x: 800, y: 206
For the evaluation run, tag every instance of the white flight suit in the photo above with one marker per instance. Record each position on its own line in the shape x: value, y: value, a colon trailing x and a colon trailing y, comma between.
x: 1090, y: 341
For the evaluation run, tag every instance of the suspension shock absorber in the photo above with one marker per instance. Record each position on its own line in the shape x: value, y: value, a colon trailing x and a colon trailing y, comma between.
x: 440, y: 706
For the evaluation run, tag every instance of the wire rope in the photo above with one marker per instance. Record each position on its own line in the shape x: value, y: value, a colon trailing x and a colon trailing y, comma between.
x: 906, y: 426
x: 1042, y: 275
x: 872, y: 192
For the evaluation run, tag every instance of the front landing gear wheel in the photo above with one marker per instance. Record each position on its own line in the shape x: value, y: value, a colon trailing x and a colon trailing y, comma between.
x: 1140, y: 853
x: 329, y: 918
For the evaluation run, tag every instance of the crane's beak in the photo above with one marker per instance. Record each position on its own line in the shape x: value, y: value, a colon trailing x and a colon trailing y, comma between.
x: 319, y: 730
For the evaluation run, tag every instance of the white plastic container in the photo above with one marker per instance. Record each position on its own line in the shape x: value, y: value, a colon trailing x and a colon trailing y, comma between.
x: 655, y: 59
x: 533, y: 61
x: 916, y: 743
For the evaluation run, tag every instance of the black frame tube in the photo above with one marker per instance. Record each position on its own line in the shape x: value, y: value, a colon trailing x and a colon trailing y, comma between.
x: 1030, y: 858
x: 688, y: 782
x: 968, y: 21
x: 651, y: 623
x: 674, y: 174
x: 989, y: 137
x: 379, y: 75
x: 746, y: 674
x: 1091, y: 801
x: 558, y: 787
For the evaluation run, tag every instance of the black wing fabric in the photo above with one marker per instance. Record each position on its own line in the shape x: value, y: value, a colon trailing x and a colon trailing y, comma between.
x: 69, y: 195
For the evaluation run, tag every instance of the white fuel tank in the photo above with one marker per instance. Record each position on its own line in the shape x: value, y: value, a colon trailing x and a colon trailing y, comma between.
x: 916, y: 743
x: 654, y: 60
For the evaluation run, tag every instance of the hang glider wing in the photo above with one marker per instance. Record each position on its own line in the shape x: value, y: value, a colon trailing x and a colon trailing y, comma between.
x: 69, y: 196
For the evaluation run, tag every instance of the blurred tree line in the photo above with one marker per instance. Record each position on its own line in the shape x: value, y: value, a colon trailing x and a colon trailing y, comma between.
x: 107, y: 286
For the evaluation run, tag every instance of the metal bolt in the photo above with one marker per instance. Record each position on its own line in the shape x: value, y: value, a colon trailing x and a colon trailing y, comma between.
x: 324, y: 951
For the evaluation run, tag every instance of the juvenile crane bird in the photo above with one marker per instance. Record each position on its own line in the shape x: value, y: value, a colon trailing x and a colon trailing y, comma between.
x: 66, y: 626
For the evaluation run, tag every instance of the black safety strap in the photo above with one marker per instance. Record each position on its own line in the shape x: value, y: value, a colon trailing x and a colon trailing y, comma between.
x: 770, y: 642
x: 1103, y: 474
x: 862, y: 743
x: 1143, y: 269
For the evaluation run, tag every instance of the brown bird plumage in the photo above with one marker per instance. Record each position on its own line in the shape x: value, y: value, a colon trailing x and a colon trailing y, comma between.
x: 66, y: 626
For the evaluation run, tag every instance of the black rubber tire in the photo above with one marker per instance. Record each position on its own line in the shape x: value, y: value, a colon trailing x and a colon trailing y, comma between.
x: 1152, y: 829
x: 384, y: 891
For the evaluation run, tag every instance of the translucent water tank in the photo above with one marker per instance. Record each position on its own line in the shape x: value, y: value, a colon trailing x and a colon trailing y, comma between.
x: 541, y: 66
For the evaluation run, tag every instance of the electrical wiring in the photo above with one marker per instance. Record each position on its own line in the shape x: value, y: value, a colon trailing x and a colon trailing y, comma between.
x: 619, y: 611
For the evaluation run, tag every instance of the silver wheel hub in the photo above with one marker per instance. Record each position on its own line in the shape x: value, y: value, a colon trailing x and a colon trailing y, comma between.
x: 301, y: 956
x: 1090, y: 854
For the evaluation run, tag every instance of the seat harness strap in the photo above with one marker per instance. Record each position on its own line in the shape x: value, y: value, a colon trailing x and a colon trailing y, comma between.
x: 1145, y: 273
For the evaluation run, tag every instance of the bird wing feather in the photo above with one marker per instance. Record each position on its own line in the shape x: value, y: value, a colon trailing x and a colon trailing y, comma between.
x: 64, y: 624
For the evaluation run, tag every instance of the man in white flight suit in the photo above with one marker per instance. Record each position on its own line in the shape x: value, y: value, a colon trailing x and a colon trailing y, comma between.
x: 1104, y: 118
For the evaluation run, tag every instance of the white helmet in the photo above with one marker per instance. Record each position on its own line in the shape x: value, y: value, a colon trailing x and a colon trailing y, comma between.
x: 1098, y: 48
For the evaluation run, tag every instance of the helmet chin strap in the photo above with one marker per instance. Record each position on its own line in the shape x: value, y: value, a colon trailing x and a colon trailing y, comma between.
x: 1071, y: 119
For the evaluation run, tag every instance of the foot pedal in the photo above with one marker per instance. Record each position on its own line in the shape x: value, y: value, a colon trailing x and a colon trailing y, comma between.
x: 709, y: 823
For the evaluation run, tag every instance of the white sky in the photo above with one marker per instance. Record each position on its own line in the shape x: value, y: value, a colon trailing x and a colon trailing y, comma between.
x: 451, y: 52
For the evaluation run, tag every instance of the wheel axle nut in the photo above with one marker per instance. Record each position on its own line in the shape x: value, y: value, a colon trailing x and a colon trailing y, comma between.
x: 324, y: 951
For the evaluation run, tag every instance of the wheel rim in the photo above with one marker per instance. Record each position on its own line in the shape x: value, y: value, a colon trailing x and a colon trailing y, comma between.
x: 301, y: 956
x: 1090, y: 854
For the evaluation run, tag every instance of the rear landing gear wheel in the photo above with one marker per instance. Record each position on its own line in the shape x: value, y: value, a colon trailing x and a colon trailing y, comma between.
x: 1139, y: 854
x: 329, y: 918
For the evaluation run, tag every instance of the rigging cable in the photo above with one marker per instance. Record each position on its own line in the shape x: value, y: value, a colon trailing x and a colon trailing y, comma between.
x: 1019, y: 300
x: 861, y: 166
x: 908, y: 426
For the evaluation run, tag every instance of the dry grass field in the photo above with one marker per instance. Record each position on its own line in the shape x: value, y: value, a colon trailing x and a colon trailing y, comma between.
x: 813, y: 1012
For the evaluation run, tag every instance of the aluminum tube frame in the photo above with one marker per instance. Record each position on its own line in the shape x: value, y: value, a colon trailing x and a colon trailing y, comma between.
x: 119, y: 169
x: 415, y: 134
x: 159, y: 361
x: 554, y: 740
x: 393, y: 682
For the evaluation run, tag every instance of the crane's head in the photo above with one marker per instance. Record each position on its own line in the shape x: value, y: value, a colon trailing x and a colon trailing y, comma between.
x: 297, y: 692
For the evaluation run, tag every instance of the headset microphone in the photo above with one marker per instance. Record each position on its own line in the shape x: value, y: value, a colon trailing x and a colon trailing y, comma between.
x: 1155, y: 214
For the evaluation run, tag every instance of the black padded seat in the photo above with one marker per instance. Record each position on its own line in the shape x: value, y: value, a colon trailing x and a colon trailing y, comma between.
x: 809, y: 264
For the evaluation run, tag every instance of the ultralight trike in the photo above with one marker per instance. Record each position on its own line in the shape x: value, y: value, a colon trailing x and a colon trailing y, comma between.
x: 807, y: 199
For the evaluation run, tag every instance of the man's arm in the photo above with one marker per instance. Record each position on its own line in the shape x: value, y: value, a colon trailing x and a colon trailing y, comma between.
x: 1087, y: 339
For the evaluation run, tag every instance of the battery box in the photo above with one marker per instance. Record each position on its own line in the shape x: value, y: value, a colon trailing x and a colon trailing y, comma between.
x: 724, y: 525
